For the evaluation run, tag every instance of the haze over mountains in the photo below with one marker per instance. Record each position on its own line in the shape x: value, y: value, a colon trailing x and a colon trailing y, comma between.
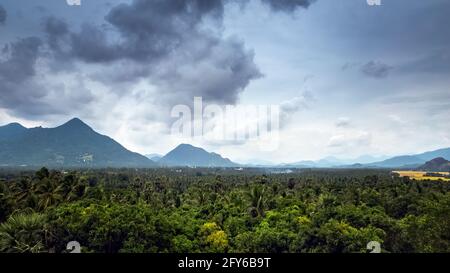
x: 154, y: 157
x: 75, y: 144
x: 331, y: 161
x: 403, y: 161
x: 412, y: 160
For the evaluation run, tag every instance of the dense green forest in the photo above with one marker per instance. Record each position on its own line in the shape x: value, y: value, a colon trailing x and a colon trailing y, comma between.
x: 220, y: 210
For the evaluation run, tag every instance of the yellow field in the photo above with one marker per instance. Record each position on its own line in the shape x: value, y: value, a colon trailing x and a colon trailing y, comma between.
x: 421, y: 175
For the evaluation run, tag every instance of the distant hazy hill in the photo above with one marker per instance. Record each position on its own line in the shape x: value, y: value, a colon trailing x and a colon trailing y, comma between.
x: 412, y: 160
x: 367, y: 161
x: 436, y: 165
x: 333, y: 162
x: 73, y: 144
x: 188, y: 155
x: 399, y: 161
x: 154, y: 157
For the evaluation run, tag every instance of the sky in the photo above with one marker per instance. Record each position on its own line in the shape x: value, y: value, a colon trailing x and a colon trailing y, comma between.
x: 349, y: 79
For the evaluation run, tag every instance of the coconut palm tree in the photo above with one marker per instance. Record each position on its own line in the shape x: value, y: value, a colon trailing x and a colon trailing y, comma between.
x: 76, y: 191
x: 22, y: 189
x: 24, y: 192
x: 257, y: 201
x: 73, y: 188
x: 49, y: 193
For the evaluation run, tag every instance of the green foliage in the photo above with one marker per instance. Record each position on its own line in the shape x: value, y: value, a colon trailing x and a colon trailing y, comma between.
x: 216, y: 210
x: 339, y: 236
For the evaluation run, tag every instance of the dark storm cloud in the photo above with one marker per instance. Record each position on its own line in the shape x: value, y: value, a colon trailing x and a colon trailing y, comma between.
x: 3, y: 15
x: 16, y: 71
x: 153, y: 28
x: 148, y: 18
x: 148, y: 30
x: 176, y: 46
x: 165, y: 42
x: 22, y: 56
x: 55, y: 29
x: 90, y: 45
x: 224, y: 70
x: 287, y: 5
x: 376, y: 69
x: 21, y: 91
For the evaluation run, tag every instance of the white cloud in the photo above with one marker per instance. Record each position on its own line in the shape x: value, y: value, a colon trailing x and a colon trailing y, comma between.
x: 350, y: 139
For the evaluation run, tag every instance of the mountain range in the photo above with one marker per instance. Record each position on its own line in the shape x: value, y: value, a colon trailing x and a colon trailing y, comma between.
x: 411, y: 161
x: 75, y: 144
x: 333, y: 162
x: 403, y: 161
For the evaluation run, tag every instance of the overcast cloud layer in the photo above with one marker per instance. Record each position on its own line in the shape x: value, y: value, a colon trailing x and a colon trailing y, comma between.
x: 351, y: 79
